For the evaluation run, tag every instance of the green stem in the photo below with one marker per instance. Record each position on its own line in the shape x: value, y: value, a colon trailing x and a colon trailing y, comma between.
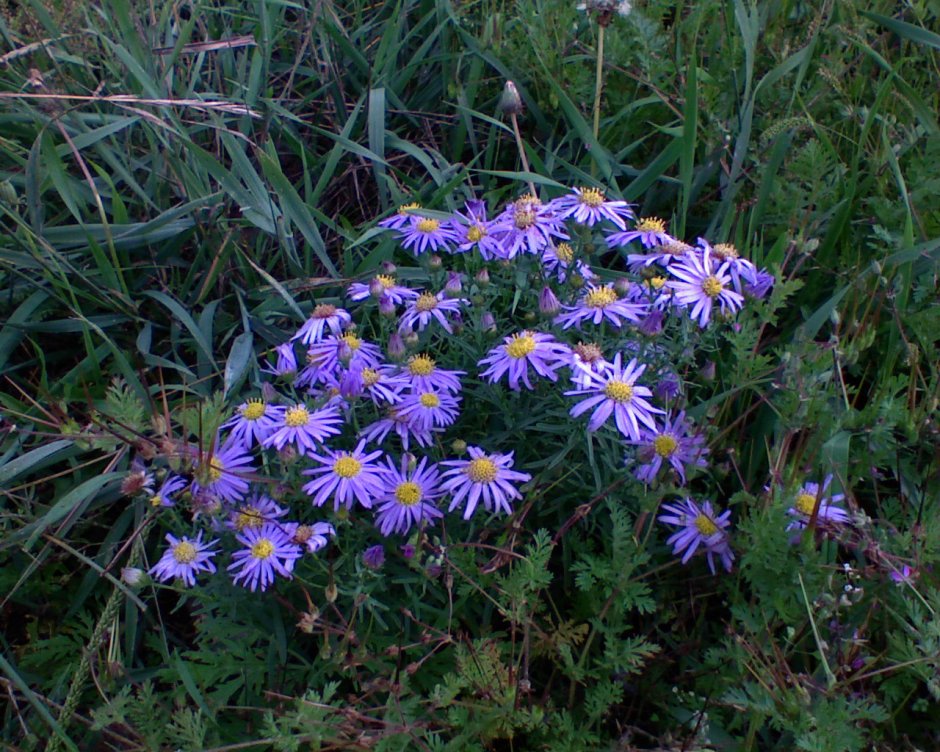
x: 598, y: 80
x: 522, y: 156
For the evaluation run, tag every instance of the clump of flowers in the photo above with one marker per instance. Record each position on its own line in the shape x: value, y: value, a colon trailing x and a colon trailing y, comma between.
x: 410, y: 408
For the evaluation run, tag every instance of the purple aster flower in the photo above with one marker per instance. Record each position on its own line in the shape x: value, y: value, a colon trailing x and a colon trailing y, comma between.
x: 374, y: 557
x: 383, y: 384
x: 757, y: 283
x: 224, y: 472
x: 586, y: 357
x: 184, y: 558
x: 615, y: 391
x: 407, y: 550
x: 171, y: 484
x: 138, y: 479
x: 401, y: 218
x: 814, y: 502
x: 699, y: 527
x: 549, y: 304
x: 379, y: 285
x: 304, y: 428
x: 701, y: 284
x: 474, y: 231
x: 253, y: 422
x: 267, y: 551
x: 650, y: 231
x: 421, y: 234
x: 312, y: 537
x: 418, y: 313
x: 598, y: 304
x: 347, y: 350
x: 663, y: 255
x: 255, y: 512
x: 423, y: 374
x: 409, y: 497
x: 556, y: 259
x: 526, y: 226
x: 727, y: 254
x: 404, y: 427
x: 673, y: 444
x: 588, y: 206
x: 489, y: 477
x: 519, y: 351
x: 346, y: 476
x: 429, y: 409
x: 286, y: 362
x: 323, y: 317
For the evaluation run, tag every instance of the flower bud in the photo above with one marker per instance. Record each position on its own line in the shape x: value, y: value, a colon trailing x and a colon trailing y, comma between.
x: 708, y: 371
x: 622, y: 286
x: 483, y: 277
x: 386, y: 306
x: 435, y: 261
x: 652, y: 325
x: 510, y: 103
x: 453, y: 288
x: 410, y: 337
x: 330, y: 592
x: 374, y: 557
x: 488, y: 322
x: 308, y: 619
x: 134, y: 577
x: 396, y: 346
x: 376, y: 288
x: 549, y: 305
x: 351, y: 386
x: 576, y: 281
x: 389, y: 268
x: 459, y: 446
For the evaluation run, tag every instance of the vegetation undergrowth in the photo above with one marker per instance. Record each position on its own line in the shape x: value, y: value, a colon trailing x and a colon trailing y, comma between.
x: 183, y: 185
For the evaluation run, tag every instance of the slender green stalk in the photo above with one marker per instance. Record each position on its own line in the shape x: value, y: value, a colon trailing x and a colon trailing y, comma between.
x: 599, y: 79
x: 519, y: 144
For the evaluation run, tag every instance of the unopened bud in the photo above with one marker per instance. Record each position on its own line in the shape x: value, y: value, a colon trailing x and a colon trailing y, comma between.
x: 410, y: 337
x: 483, y: 277
x: 389, y: 268
x: 386, y: 306
x: 576, y: 281
x: 330, y: 593
x: 453, y: 288
x: 549, y: 305
x: 708, y: 371
x: 8, y: 193
x: 376, y: 288
x: 622, y: 286
x: 396, y: 346
x: 435, y: 261
x: 510, y: 103
x: 308, y: 620
x: 459, y: 446
x: 134, y: 577
x: 488, y: 322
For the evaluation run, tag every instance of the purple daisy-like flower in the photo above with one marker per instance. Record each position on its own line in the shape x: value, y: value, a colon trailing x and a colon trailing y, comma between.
x: 423, y: 373
x: 304, y: 428
x: 286, y: 360
x: 418, y: 313
x: 323, y: 317
x: 222, y: 472
x: 727, y: 254
x: 374, y: 557
x: 586, y: 358
x: 527, y: 226
x: 403, y: 426
x: 588, y: 206
x: 599, y: 304
x: 184, y: 558
x: 557, y: 258
x: 421, y: 234
x: 664, y: 255
x: 757, y: 283
x: 814, y: 501
x: 267, y: 552
x: 650, y: 231
x: 253, y: 422
x: 347, y: 351
x: 400, y: 218
x: 699, y: 527
x: 700, y: 285
x: 429, y: 409
x: 409, y: 497
x: 615, y: 391
x: 486, y: 477
x: 379, y: 285
x: 474, y: 231
x: 519, y: 351
x: 255, y: 512
x: 164, y: 496
x: 311, y: 537
x: 382, y: 385
x: 346, y: 476
x: 673, y: 444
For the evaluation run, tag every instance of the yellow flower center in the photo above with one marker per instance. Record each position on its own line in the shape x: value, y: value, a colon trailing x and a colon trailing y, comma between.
x: 262, y: 549
x: 523, y: 217
x: 705, y: 525
x: 428, y: 225
x: 476, y: 233
x: 253, y: 410
x: 426, y: 302
x: 352, y: 341
x: 156, y: 501
x: 430, y: 399
x: 421, y: 365
x: 386, y: 280
x: 184, y: 553
x: 656, y: 282
x: 618, y: 391
x: 724, y: 251
x: 806, y: 503
x: 302, y: 534
x: 712, y: 286
x: 296, y: 417
x: 520, y: 345
x: 589, y: 353
x: 591, y: 197
x: 564, y: 252
x: 664, y: 445
x: 651, y: 224
x: 370, y: 377
x: 323, y: 311
x: 248, y: 517
x: 600, y: 297
x: 404, y: 208
x: 347, y: 467
x: 481, y: 470
x: 408, y: 493
x: 216, y: 468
